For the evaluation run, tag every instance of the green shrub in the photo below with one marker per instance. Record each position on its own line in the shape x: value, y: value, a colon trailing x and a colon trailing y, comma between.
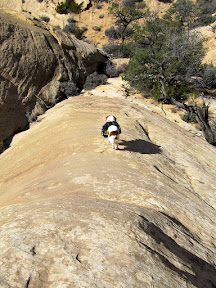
x: 111, y: 70
x: 96, y: 28
x: 177, y: 91
x: 189, y: 117
x: 61, y: 8
x: 71, y: 28
x: 117, y: 50
x: 209, y: 76
x: 205, y: 11
x: 45, y: 18
x: 68, y: 5
x: 130, y: 3
x: 93, y: 80
x: 128, y: 31
x: 74, y: 29
x: 204, y: 20
x: 79, y: 33
x: 74, y: 7
x: 156, y: 91
x: 113, y: 33
x: 68, y: 88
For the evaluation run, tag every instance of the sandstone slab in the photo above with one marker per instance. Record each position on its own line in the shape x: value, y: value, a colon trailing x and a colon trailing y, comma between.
x: 75, y: 213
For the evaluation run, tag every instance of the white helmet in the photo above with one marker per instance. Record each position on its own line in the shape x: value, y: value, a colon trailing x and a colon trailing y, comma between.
x: 110, y: 119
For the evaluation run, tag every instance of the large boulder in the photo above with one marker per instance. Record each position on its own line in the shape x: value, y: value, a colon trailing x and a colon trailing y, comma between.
x: 34, y: 61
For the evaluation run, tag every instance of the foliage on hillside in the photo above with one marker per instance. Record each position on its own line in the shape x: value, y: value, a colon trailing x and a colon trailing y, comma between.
x: 68, y: 6
x: 126, y: 12
x: 166, y: 56
x: 167, y: 60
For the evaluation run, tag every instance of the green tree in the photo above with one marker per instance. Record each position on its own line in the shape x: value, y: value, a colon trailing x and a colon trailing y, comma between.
x: 127, y: 12
x: 206, y: 11
x: 184, y: 11
x: 163, y: 55
x: 68, y: 5
x: 166, y: 59
x: 61, y: 8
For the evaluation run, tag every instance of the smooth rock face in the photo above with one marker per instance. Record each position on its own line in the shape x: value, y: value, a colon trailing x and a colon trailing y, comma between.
x: 33, y: 63
x: 83, y: 242
x: 76, y: 213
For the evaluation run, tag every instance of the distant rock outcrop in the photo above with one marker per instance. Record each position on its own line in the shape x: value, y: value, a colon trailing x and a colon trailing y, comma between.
x: 34, y: 61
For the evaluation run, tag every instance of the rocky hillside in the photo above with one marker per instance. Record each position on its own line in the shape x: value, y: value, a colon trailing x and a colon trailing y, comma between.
x: 96, y: 19
x: 75, y: 213
x: 35, y: 62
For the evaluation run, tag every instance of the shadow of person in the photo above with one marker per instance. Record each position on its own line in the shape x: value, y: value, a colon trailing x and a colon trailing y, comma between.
x: 140, y: 146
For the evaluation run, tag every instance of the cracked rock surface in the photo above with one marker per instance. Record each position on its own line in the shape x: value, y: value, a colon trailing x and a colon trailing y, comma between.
x: 75, y: 213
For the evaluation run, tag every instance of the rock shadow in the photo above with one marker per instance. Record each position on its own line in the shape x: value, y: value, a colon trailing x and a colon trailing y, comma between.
x: 140, y: 146
x: 7, y: 142
x: 202, y: 275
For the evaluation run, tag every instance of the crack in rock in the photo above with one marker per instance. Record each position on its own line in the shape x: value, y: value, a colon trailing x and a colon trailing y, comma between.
x: 77, y: 258
x: 28, y: 282
x: 33, y: 251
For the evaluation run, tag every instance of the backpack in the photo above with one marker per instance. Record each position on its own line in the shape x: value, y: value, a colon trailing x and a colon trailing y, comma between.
x: 107, y: 125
